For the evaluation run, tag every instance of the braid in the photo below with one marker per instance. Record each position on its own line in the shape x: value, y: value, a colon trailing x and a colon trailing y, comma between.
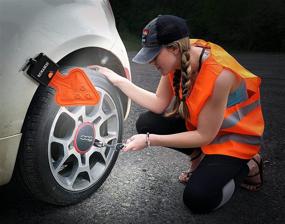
x: 183, y: 79
x: 186, y: 81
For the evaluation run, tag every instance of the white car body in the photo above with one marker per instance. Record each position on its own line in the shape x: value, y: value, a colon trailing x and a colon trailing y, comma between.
x: 70, y: 33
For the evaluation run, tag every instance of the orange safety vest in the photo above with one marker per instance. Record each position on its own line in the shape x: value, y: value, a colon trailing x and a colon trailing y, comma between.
x: 242, y: 128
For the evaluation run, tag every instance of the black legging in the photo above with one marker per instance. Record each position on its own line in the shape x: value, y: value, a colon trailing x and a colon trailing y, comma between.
x: 212, y: 183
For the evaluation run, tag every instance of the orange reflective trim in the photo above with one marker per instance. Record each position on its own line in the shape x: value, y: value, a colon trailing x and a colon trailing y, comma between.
x: 74, y: 89
x: 239, y: 114
x: 241, y: 138
x: 245, y: 103
x: 252, y: 124
x: 232, y: 148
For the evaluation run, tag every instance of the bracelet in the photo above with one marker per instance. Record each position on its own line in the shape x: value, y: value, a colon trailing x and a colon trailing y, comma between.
x: 147, y: 140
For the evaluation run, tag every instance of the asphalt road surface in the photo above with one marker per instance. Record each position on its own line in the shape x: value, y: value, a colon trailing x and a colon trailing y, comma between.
x: 143, y: 186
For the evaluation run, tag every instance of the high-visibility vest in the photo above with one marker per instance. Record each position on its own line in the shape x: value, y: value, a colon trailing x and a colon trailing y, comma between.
x: 242, y: 128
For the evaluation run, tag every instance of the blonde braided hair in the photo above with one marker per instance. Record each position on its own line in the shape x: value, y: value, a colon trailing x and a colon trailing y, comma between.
x: 183, y: 79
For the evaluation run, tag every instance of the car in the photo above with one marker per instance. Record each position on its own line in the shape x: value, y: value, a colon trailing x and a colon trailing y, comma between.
x: 48, y: 148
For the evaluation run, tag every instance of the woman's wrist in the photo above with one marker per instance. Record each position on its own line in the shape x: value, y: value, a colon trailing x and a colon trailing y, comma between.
x: 121, y: 82
x: 147, y: 140
x: 153, y: 139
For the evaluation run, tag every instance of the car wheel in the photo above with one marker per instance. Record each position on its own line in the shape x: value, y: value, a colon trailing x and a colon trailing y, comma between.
x: 58, y: 161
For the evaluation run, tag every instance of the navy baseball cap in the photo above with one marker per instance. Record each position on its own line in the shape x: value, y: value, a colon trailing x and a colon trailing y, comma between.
x: 159, y: 32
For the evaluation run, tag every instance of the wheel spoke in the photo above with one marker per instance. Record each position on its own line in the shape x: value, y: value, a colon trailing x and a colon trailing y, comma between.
x: 73, y: 177
x: 95, y: 150
x: 92, y: 180
x: 106, y: 117
x: 66, y: 111
x: 103, y: 121
x: 111, y: 136
x: 62, y: 141
x: 102, y: 96
x: 60, y: 167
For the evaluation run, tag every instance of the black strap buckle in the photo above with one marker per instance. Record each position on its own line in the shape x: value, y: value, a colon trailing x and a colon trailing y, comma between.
x: 41, y: 68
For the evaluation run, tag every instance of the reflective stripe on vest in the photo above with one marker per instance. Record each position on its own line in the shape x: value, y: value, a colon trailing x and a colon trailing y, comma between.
x: 236, y: 117
x: 247, y: 139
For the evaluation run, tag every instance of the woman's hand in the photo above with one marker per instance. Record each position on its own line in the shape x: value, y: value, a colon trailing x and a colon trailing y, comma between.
x: 111, y: 75
x: 135, y: 143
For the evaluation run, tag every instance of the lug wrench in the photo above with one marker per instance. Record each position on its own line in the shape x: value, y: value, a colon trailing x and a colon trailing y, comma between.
x: 116, y: 147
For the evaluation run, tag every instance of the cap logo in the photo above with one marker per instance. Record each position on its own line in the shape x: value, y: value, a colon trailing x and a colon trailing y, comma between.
x: 144, y: 34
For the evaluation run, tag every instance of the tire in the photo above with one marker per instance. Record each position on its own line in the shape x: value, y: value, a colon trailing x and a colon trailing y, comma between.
x: 57, y: 161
